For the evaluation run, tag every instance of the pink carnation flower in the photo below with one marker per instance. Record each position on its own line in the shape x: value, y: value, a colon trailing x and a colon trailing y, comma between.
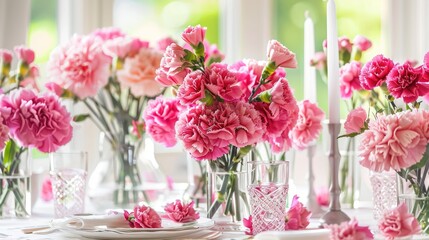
x: 25, y: 54
x: 249, y: 225
x: 249, y: 129
x: 281, y: 97
x: 319, y: 60
x: 4, y: 134
x: 362, y: 43
x: 143, y: 217
x: 40, y: 122
x: 308, y: 126
x: 171, y: 71
x: 138, y: 73
x: 355, y: 121
x: 280, y: 55
x: 47, y: 194
x: 181, y: 212
x: 223, y: 83
x: 122, y: 47
x: 349, y: 79
x: 213, y: 53
x: 5, y: 56
x: 298, y: 216
x: 160, y: 116
x: 30, y: 80
x: 192, y: 89
x: 407, y: 83
x: 349, y: 231
x: 164, y: 43
x: 322, y: 196
x: 392, y: 141
x: 108, y: 33
x: 374, y: 72
x: 194, y: 35
x: 344, y: 44
x: 80, y: 66
x: 398, y: 223
x: 55, y: 88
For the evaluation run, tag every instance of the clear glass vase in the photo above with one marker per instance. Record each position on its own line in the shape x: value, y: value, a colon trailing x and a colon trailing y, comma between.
x: 15, y: 184
x: 127, y: 174
x: 227, y: 201
x: 197, y: 183
x: 384, y: 192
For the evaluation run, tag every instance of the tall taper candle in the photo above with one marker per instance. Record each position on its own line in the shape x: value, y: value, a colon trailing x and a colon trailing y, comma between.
x: 309, y: 71
x: 333, y: 65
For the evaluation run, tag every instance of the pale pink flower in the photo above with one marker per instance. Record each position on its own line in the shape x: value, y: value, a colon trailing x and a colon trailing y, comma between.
x: 322, y: 196
x: 349, y: 231
x: 280, y: 143
x: 344, y: 44
x: 374, y: 72
x: 392, y: 142
x: 143, y: 217
x: 349, y: 79
x: 34, y: 121
x: 398, y: 222
x: 319, y: 60
x: 308, y: 126
x: 249, y: 129
x: 55, y: 88
x: 181, y: 212
x: 164, y: 43
x: 30, y: 80
x: 362, y: 43
x: 193, y: 130
x: 122, y: 47
x: 80, y: 66
x: 47, y: 194
x: 424, y: 123
x: 213, y: 53
x: 355, y: 120
x: 407, y: 83
x: 171, y: 71
x: 194, y: 35
x: 160, y: 117
x: 4, y: 134
x: 223, y: 83
x: 138, y: 73
x: 280, y: 55
x: 5, y: 56
x: 298, y: 216
x: 249, y: 225
x: 108, y: 33
x: 24, y: 54
x: 192, y: 89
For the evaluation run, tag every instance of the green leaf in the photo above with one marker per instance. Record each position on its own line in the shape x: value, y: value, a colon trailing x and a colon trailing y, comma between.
x: 199, y: 50
x: 80, y: 117
x: 422, y: 162
x: 9, y: 154
x: 350, y: 135
x: 189, y: 56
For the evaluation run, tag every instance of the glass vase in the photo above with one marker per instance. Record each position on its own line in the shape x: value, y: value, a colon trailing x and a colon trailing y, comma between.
x: 127, y: 174
x: 197, y: 183
x: 15, y: 184
x: 227, y: 201
x: 384, y: 192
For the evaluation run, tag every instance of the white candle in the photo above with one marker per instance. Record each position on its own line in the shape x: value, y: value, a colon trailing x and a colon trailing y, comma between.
x: 309, y: 71
x: 333, y: 65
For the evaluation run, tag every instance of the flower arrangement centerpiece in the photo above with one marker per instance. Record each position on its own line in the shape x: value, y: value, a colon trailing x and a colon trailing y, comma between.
x: 397, y: 136
x: 355, y: 95
x: 113, y: 75
x: 27, y: 120
x: 227, y: 109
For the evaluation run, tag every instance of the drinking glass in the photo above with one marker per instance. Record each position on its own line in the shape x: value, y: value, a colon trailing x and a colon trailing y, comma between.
x: 68, y: 175
x: 268, y: 189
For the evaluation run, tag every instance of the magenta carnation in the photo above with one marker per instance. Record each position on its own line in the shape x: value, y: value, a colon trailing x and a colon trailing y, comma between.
x: 143, y: 217
x: 298, y: 216
x: 407, y: 83
x: 5, y: 56
x: 40, y: 122
x: 181, y: 212
x: 80, y: 66
x: 392, y: 142
x: 308, y: 126
x: 374, y: 72
x: 349, y: 79
x: 160, y: 117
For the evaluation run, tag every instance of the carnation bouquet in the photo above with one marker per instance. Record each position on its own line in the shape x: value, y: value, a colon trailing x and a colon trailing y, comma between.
x: 397, y: 136
x: 226, y: 109
x: 350, y: 53
x: 27, y: 120
x: 112, y: 74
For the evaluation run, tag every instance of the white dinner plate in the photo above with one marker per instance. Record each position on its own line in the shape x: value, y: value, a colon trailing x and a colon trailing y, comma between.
x: 137, y: 233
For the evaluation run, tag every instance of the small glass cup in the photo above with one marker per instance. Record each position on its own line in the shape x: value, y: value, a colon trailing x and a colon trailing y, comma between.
x: 268, y: 189
x: 68, y: 175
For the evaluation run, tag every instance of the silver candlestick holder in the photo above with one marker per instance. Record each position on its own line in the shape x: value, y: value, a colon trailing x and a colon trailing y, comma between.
x: 334, y: 215
x: 312, y: 204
